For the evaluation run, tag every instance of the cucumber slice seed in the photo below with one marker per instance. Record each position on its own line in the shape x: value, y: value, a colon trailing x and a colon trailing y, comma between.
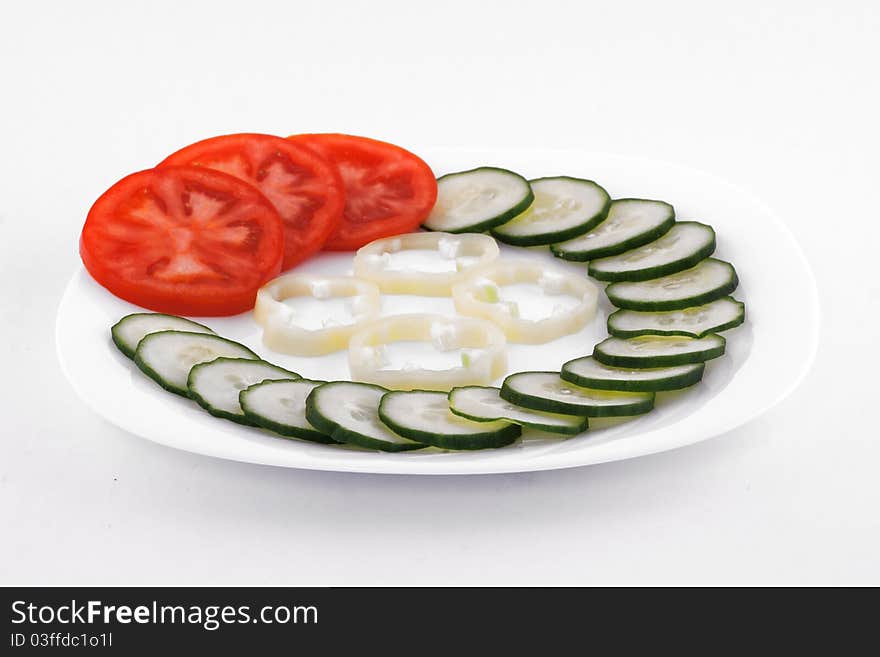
x: 631, y: 222
x: 215, y: 385
x: 696, y: 321
x: 425, y: 417
x: 485, y: 405
x: 131, y: 329
x: 348, y: 412
x: 479, y: 199
x: 681, y: 247
x: 546, y: 391
x: 279, y: 405
x: 563, y: 208
x: 709, y: 280
x: 649, y: 351
x: 168, y: 356
x: 590, y: 373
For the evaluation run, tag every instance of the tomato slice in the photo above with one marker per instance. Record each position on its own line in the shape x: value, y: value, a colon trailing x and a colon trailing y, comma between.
x: 388, y: 190
x: 304, y: 187
x: 183, y: 240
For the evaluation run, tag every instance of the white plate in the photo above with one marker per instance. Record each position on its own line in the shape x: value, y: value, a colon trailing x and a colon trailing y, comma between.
x: 767, y: 357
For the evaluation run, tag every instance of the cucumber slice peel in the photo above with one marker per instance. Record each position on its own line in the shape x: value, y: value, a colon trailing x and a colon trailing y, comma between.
x: 279, y: 405
x: 590, y: 373
x: 424, y: 416
x: 348, y: 412
x: 649, y: 351
x: 563, y: 208
x: 168, y: 356
x: 483, y: 404
x: 215, y: 385
x: 131, y: 329
x: 681, y: 247
x: 696, y: 321
x: 479, y: 199
x: 709, y: 280
x: 546, y: 391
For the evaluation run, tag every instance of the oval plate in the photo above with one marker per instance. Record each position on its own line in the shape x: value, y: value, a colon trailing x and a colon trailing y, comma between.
x: 765, y: 361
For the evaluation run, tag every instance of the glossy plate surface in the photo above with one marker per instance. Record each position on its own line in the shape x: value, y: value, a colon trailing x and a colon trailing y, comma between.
x: 766, y: 359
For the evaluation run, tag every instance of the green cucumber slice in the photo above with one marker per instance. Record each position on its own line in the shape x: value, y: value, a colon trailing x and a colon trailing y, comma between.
x: 563, y: 207
x: 477, y: 200
x: 485, y: 405
x: 546, y: 391
x: 631, y: 222
x: 425, y: 417
x: 650, y: 351
x: 709, y: 280
x: 131, y: 329
x: 590, y: 373
x: 215, y: 385
x: 682, y: 247
x: 348, y: 412
x: 280, y: 406
x: 696, y: 321
x: 168, y: 356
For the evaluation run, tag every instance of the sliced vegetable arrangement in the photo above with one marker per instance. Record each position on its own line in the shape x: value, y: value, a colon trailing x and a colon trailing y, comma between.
x: 207, y: 232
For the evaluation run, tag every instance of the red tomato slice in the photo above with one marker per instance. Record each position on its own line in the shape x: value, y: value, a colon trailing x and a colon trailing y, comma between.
x: 388, y: 190
x: 305, y: 188
x: 183, y: 240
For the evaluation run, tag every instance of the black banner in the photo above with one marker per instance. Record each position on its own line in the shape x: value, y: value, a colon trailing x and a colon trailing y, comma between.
x: 135, y: 620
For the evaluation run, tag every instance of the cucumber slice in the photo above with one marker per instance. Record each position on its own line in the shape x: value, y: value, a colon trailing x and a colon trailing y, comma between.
x: 650, y: 351
x: 280, y: 406
x: 682, y: 247
x: 348, y: 412
x: 485, y: 404
x: 131, y: 329
x: 215, y: 385
x: 425, y: 417
x: 590, y: 373
x: 631, y: 222
x: 697, y: 321
x: 709, y: 280
x: 563, y: 208
x: 477, y: 200
x: 546, y: 391
x: 168, y: 356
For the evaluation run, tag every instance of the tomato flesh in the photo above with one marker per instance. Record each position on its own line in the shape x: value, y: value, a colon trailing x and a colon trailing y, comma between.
x: 304, y: 187
x: 388, y: 190
x: 183, y: 240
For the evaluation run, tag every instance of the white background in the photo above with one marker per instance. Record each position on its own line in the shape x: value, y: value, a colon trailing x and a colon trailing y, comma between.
x: 780, y: 97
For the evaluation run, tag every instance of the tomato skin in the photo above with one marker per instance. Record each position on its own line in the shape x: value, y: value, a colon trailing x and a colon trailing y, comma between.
x: 183, y: 240
x: 305, y: 188
x: 388, y: 189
